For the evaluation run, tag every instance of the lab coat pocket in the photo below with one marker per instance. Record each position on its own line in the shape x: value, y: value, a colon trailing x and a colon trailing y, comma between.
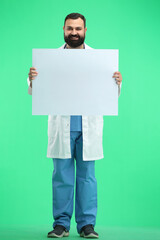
x: 99, y: 126
x: 52, y: 128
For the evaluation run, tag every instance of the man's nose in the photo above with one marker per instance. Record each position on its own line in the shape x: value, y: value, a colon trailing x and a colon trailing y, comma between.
x: 74, y: 32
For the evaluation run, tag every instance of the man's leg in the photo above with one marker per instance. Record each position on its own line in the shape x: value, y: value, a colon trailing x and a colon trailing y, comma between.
x: 63, y: 188
x: 86, y: 189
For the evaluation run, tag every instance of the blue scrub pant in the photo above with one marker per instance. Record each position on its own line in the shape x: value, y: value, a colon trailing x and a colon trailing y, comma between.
x: 63, y: 180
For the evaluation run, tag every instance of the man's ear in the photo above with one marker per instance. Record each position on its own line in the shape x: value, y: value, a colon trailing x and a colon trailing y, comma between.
x: 85, y: 30
x: 63, y: 27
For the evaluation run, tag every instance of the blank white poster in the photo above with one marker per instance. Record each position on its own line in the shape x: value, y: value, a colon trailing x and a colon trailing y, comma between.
x: 75, y: 82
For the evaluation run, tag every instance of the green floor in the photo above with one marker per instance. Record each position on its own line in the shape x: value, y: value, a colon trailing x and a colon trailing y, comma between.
x: 105, y: 233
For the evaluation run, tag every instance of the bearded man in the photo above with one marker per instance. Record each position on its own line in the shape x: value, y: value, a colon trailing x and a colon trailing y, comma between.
x: 74, y: 141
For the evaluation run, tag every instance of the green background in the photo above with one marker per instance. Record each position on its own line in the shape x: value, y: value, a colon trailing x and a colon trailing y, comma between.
x: 129, y: 175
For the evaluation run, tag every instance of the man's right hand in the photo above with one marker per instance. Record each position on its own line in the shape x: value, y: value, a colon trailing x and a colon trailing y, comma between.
x: 32, y: 74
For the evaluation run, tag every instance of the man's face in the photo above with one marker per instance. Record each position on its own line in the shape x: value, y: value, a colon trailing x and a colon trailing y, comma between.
x: 74, y: 32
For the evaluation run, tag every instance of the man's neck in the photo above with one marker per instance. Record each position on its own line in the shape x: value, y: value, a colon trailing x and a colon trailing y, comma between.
x: 80, y: 47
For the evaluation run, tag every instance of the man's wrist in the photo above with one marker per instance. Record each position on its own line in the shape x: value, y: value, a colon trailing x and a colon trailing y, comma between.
x: 30, y: 83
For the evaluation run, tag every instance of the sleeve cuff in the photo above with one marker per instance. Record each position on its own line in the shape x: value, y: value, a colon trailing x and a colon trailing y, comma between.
x: 29, y: 88
x: 119, y: 89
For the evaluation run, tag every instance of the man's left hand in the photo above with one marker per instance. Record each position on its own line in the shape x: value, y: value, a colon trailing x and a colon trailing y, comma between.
x: 118, y: 77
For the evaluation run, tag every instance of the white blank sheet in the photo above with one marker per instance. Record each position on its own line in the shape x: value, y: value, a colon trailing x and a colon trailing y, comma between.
x: 75, y: 82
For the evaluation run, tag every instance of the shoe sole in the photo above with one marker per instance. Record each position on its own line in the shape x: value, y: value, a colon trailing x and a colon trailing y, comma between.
x: 53, y: 235
x: 91, y: 235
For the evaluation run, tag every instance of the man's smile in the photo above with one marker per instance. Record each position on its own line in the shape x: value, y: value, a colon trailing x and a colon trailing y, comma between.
x: 74, y: 38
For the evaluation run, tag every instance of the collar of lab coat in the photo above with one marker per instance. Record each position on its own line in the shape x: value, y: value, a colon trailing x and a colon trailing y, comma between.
x: 86, y: 46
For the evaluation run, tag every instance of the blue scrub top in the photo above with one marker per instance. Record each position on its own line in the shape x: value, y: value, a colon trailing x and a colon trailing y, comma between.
x: 76, y: 123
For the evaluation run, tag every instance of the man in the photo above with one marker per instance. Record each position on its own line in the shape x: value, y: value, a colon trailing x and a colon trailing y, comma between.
x: 79, y: 138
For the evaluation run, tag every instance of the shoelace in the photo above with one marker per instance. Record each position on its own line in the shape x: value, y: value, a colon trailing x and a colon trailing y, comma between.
x: 88, y: 227
x: 59, y: 227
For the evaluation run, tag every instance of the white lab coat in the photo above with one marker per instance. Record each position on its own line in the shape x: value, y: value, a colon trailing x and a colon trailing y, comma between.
x: 59, y: 134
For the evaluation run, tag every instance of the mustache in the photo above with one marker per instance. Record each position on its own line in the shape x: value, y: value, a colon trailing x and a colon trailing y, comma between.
x: 70, y: 36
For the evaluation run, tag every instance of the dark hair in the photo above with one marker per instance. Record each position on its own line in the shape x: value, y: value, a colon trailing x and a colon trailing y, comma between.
x: 75, y: 16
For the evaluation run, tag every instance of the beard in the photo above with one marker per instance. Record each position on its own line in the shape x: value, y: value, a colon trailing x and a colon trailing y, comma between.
x: 74, y: 43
